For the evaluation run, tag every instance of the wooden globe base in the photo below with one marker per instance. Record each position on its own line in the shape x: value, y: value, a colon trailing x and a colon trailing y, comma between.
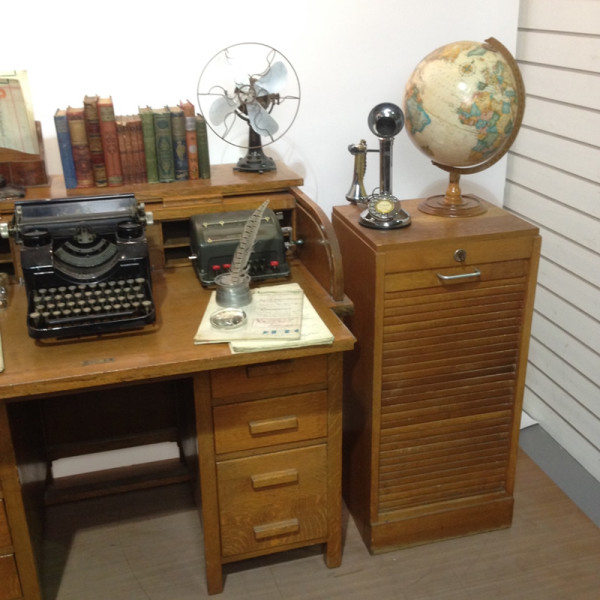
x: 453, y: 203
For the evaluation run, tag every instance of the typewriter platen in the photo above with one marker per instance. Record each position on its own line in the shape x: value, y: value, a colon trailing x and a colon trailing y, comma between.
x: 85, y: 265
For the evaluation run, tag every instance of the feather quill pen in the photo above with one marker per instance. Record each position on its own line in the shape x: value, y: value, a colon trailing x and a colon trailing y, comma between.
x: 241, y: 257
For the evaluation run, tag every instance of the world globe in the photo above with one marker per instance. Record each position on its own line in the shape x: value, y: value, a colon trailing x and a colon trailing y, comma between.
x: 464, y: 105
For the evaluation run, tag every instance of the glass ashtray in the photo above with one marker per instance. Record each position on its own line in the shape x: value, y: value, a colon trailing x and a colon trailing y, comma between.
x: 228, y: 318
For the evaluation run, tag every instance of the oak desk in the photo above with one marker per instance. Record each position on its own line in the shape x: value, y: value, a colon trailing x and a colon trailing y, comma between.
x: 259, y: 434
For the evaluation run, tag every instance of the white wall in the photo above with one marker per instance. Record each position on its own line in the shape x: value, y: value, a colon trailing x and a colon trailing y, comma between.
x: 349, y: 56
x: 554, y: 181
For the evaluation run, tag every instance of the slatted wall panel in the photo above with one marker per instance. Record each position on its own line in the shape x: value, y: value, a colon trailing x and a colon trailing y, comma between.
x: 553, y: 180
x: 448, y: 377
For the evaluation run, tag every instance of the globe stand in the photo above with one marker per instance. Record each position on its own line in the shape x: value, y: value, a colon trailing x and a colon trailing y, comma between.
x: 453, y: 203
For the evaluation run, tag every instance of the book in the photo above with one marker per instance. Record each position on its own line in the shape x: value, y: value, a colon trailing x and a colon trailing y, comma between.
x: 191, y: 138
x: 125, y: 149
x: 203, y: 153
x: 92, y: 130
x: 138, y: 158
x: 147, y: 118
x: 180, y: 158
x: 164, y: 145
x: 64, y: 146
x: 110, y: 142
x: 80, y: 148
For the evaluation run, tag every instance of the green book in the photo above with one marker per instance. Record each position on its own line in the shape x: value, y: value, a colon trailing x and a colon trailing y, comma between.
x: 147, y: 116
x: 203, y: 154
x: 164, y: 145
x: 180, y: 156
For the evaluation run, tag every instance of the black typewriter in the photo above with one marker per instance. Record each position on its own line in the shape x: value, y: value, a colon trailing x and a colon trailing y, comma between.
x: 85, y: 265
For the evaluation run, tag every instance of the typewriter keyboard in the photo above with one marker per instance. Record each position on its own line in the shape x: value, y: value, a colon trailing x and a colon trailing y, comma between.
x: 88, y: 308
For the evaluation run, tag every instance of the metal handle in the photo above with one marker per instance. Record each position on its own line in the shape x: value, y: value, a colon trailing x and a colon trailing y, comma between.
x: 475, y: 273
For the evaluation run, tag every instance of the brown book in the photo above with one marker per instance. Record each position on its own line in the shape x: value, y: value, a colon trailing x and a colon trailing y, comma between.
x: 125, y: 149
x: 92, y: 130
x: 191, y: 138
x: 79, y: 145
x: 110, y: 142
x: 138, y: 157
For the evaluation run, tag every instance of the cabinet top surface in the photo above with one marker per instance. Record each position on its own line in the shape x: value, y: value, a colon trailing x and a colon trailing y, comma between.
x: 425, y: 228
x: 165, y: 349
x: 224, y: 181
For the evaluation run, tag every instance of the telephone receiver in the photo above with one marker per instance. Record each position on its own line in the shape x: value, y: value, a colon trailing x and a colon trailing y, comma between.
x: 386, y: 121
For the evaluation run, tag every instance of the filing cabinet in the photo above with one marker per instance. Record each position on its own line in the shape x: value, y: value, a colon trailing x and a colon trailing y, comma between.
x: 433, y: 388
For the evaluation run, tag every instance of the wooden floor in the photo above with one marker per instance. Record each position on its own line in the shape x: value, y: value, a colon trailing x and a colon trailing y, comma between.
x: 148, y: 545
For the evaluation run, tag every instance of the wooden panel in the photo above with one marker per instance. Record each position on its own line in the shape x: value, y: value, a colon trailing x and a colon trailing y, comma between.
x: 10, y: 587
x: 263, y: 423
x: 575, y: 122
x: 5, y: 539
x: 559, y: 50
x: 580, y: 16
x: 268, y: 379
x: 571, y: 87
x: 291, y: 509
x: 580, y: 159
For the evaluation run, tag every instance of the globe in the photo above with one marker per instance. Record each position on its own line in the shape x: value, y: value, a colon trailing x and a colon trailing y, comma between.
x: 464, y: 105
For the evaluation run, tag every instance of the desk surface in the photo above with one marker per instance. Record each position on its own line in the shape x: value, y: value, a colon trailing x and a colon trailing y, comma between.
x: 162, y: 350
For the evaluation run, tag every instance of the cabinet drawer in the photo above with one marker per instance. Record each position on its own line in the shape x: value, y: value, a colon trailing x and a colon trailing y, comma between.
x: 261, y: 423
x: 5, y: 539
x: 272, y: 500
x: 265, y: 379
x: 10, y: 587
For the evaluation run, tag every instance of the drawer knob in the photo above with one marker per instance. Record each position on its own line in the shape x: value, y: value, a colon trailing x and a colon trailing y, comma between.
x: 262, y: 532
x: 273, y: 425
x: 266, y: 480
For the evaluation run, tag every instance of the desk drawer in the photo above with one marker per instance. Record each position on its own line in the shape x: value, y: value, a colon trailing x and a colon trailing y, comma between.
x: 266, y: 379
x: 5, y: 539
x: 272, y: 500
x: 261, y: 423
x: 10, y: 587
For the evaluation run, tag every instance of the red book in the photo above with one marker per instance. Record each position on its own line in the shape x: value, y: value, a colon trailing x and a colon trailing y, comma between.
x: 80, y: 148
x: 110, y: 142
x: 191, y: 138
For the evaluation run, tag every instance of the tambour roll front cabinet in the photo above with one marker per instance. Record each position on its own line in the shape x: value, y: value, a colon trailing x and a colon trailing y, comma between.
x: 433, y: 388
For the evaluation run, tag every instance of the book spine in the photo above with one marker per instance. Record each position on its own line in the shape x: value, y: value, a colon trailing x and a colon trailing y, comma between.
x: 191, y: 139
x: 203, y: 154
x: 123, y: 136
x: 137, y: 149
x: 147, y: 119
x: 81, y: 150
x: 180, y: 157
x: 164, y: 146
x: 110, y: 142
x: 92, y: 130
x: 64, y: 146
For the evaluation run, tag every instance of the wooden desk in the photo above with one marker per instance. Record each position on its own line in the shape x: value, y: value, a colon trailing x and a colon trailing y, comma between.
x: 227, y: 391
x: 259, y: 434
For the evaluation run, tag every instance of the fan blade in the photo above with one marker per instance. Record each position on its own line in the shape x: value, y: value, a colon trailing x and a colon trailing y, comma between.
x: 260, y: 120
x: 220, y: 109
x: 274, y: 79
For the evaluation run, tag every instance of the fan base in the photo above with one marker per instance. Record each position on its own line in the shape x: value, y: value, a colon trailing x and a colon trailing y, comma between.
x: 256, y: 161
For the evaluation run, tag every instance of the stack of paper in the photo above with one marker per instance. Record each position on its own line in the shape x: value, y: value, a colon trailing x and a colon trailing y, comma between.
x: 279, y: 316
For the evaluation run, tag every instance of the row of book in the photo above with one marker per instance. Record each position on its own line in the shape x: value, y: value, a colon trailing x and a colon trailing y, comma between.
x: 99, y: 149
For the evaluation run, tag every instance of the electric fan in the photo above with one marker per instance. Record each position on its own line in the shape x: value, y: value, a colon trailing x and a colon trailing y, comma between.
x: 249, y: 95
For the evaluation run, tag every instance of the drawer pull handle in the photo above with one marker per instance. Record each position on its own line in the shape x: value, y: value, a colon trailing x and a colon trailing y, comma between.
x: 475, y: 273
x: 270, y: 369
x: 273, y: 425
x: 262, y: 532
x: 265, y: 480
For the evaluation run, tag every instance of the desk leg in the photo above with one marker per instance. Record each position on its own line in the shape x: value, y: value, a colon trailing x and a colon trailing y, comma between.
x: 333, y: 557
x: 208, y: 484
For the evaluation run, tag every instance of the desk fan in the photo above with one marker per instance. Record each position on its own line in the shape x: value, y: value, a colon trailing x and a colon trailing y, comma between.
x: 249, y: 92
